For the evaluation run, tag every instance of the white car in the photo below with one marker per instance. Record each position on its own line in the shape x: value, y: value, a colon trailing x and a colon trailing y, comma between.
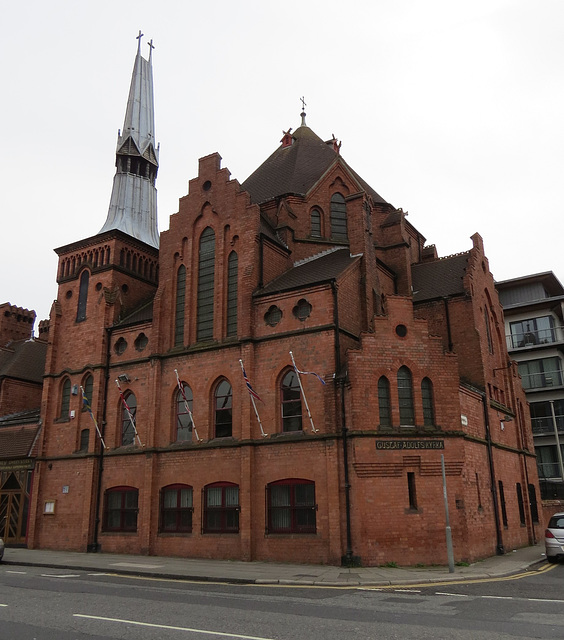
x: 554, y: 538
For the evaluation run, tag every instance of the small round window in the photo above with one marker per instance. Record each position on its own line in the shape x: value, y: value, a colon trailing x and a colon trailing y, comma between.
x: 302, y: 310
x: 120, y: 346
x: 401, y: 330
x: 273, y: 316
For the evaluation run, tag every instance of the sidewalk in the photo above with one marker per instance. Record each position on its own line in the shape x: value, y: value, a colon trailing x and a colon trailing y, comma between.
x: 237, y: 572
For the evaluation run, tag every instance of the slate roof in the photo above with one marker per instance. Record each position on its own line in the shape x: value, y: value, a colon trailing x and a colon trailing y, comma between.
x: 439, y: 278
x: 321, y: 268
x: 17, y: 434
x: 143, y: 313
x: 24, y: 360
x: 296, y: 168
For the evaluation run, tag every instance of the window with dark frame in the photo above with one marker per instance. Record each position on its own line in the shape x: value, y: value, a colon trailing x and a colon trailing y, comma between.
x: 120, y: 509
x: 315, y: 218
x: 411, y: 489
x: 88, y: 387
x: 488, y: 330
x: 206, y: 274
x: 82, y: 296
x: 502, y: 503
x: 384, y: 402
x: 65, y: 400
x: 221, y: 508
x: 291, y: 402
x: 183, y: 419
x: 291, y: 506
x: 405, y: 397
x: 84, y: 440
x: 127, y: 427
x: 176, y: 509
x: 223, y: 410
x: 428, y: 405
x: 533, y: 503
x: 338, y: 217
x: 232, y: 287
x: 180, y: 304
x: 520, y: 503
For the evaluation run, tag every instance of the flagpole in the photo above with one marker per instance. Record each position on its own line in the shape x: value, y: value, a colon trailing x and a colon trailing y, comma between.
x: 303, y: 394
x: 187, y: 406
x: 264, y: 435
x: 89, y: 409
x: 131, y: 419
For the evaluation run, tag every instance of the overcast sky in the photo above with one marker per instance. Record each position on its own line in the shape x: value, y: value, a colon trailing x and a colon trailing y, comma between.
x: 452, y: 110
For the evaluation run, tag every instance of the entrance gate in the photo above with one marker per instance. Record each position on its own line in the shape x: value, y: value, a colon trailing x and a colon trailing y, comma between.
x: 14, y: 506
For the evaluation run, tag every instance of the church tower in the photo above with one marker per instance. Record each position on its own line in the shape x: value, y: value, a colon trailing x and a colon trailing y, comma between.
x: 133, y: 205
x: 102, y: 279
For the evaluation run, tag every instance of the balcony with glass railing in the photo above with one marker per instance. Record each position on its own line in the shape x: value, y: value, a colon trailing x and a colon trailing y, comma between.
x: 541, y: 373
x: 545, y: 425
x: 527, y: 338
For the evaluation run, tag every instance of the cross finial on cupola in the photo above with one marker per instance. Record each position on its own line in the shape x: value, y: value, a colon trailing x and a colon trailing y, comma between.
x: 303, y: 114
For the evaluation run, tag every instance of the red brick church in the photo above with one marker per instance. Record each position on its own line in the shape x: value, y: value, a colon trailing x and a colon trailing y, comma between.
x: 369, y: 363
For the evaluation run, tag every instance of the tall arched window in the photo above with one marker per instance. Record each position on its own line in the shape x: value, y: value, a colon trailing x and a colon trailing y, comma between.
x: 315, y: 220
x: 82, y: 296
x: 223, y: 410
x: 88, y: 387
x: 384, y: 403
x: 232, y: 269
x: 183, y: 419
x: 179, y: 311
x: 338, y: 217
x: 206, y: 273
x: 65, y: 399
x: 428, y: 406
x: 127, y: 428
x: 405, y: 397
x: 291, y: 401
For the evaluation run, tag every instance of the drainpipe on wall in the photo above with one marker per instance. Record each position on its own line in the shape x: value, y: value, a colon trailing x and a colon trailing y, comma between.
x: 95, y: 546
x: 349, y: 559
x: 499, y: 547
x: 447, y: 318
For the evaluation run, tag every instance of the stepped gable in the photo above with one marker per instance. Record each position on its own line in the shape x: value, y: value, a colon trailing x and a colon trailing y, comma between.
x: 320, y: 268
x: 440, y: 278
x: 295, y: 168
x: 24, y: 360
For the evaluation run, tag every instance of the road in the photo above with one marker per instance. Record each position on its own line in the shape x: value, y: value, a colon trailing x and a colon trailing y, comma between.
x: 53, y: 604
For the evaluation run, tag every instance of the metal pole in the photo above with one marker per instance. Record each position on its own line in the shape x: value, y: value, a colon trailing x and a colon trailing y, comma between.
x: 450, y: 553
x: 560, y: 464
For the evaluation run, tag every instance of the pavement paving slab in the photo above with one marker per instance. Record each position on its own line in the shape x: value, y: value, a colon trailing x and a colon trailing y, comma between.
x: 265, y: 573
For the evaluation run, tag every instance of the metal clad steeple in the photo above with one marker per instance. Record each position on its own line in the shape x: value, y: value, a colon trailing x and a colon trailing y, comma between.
x: 133, y: 204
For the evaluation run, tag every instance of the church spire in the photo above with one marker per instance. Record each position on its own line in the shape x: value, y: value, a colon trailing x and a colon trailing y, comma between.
x: 133, y: 204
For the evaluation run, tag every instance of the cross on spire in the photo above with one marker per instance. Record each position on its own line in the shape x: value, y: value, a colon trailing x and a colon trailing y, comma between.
x: 303, y: 114
x: 151, y: 47
x: 303, y: 103
x: 138, y: 38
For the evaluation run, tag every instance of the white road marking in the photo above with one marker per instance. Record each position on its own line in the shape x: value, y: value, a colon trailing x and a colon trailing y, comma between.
x: 457, y: 595
x: 544, y: 600
x: 166, y: 626
x: 408, y: 590
x: 55, y: 575
x: 23, y: 573
x: 3, y: 605
x: 497, y: 597
x: 99, y: 574
x: 136, y: 565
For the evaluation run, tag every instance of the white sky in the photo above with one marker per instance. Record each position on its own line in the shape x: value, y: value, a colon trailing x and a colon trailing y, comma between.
x: 452, y: 110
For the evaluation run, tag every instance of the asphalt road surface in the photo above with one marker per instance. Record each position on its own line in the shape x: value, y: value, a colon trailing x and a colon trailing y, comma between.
x: 53, y: 604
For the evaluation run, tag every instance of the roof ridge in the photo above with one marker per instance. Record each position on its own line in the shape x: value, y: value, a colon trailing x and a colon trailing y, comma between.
x: 317, y: 256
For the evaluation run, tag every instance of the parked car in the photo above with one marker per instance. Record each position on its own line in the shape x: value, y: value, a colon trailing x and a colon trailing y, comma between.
x: 1, y: 549
x: 554, y: 538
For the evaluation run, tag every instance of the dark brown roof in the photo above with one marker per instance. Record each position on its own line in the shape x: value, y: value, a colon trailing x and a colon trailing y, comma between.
x: 296, y: 168
x: 24, y: 360
x: 17, y: 434
x: 143, y: 313
x: 321, y: 268
x: 439, y: 278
